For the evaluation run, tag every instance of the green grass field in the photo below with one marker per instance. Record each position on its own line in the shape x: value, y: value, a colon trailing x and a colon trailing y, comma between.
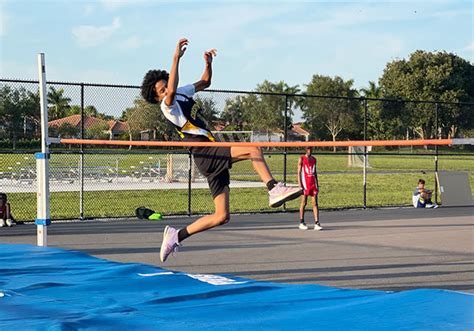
x: 390, y: 181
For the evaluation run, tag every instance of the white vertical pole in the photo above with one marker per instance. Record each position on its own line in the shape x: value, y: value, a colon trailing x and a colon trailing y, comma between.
x: 43, y: 218
x: 365, y: 176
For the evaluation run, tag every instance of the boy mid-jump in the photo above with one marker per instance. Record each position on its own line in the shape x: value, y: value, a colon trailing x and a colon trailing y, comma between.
x: 179, y: 108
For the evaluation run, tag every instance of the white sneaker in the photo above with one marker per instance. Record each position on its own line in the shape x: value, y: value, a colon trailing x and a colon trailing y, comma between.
x: 281, y: 194
x: 170, y: 243
x: 303, y: 226
x: 10, y: 222
x: 317, y: 227
x: 2, y: 223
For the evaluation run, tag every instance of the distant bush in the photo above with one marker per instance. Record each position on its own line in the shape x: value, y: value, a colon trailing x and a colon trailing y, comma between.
x: 20, y: 144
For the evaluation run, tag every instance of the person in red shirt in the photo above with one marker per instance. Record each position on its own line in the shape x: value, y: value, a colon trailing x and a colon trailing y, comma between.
x: 6, y: 218
x: 308, y: 181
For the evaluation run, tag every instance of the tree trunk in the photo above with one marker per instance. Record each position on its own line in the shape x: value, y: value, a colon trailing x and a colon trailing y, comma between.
x: 452, y: 131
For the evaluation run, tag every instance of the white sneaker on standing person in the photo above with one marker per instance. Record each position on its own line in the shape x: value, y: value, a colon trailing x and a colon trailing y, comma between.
x: 303, y: 226
x: 317, y: 227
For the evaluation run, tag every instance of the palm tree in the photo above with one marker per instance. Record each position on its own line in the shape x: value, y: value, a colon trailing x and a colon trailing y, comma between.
x: 373, y: 91
x: 58, y: 103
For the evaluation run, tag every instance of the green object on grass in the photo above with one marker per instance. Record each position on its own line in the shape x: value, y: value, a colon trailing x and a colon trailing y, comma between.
x: 155, y: 217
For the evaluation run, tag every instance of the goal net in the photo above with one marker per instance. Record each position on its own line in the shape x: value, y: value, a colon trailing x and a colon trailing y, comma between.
x: 356, y: 156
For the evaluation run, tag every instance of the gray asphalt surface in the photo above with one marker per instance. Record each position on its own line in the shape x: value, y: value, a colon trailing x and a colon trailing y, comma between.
x: 385, y: 249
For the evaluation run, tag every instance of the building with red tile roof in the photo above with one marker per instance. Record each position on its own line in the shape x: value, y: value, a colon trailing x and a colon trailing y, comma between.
x: 115, y: 127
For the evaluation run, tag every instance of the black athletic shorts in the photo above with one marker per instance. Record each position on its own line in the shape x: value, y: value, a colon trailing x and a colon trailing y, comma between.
x: 214, y: 164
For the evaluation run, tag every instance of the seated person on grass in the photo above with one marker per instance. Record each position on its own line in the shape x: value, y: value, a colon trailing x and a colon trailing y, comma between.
x: 6, y: 217
x: 422, y: 196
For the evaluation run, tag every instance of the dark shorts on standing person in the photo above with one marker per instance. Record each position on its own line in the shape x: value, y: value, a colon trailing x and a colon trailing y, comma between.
x: 214, y: 164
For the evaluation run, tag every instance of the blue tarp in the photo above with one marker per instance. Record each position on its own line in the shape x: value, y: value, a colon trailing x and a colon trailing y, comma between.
x: 48, y: 288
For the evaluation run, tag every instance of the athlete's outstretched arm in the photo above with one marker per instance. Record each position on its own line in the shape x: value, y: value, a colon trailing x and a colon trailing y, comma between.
x: 206, y: 77
x: 174, y: 74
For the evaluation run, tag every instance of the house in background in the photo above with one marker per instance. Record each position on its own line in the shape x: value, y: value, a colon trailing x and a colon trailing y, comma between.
x: 296, y: 133
x: 113, y: 128
x: 117, y: 128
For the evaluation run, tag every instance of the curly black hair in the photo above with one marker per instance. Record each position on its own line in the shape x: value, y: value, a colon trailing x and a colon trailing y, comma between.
x: 148, y: 84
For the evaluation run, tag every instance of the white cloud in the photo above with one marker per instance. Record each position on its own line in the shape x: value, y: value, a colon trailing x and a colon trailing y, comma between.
x: 470, y: 47
x: 90, y: 36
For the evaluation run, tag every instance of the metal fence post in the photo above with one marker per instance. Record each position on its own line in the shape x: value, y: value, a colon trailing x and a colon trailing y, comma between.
x: 285, y: 138
x: 365, y: 153
x: 81, y: 159
x: 436, y: 152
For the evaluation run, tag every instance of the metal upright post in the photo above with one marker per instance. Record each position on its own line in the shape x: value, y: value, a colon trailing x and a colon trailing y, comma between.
x: 81, y: 159
x: 43, y: 218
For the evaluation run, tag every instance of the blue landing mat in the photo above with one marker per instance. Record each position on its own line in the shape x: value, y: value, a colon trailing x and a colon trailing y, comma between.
x: 48, y: 288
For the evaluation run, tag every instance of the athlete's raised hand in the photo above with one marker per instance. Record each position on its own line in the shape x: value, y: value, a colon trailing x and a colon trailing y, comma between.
x: 209, y: 55
x: 181, y: 47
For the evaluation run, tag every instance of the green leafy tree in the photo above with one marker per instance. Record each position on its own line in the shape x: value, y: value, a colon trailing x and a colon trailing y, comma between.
x: 328, y: 118
x: 267, y: 113
x: 58, y: 104
x: 19, y: 113
x: 145, y: 116
x: 90, y: 111
x: 237, y: 111
x: 32, y: 114
x: 208, y: 110
x: 383, y: 121
x: 73, y: 110
x: 438, y: 76
x: 97, y: 131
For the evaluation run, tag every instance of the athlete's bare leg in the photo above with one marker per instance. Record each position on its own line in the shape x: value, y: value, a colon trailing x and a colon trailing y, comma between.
x: 221, y: 215
x: 304, y: 200
x: 314, y: 200
x: 255, y: 155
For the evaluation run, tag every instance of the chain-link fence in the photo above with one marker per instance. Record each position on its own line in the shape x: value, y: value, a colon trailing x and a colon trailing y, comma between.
x: 94, y: 182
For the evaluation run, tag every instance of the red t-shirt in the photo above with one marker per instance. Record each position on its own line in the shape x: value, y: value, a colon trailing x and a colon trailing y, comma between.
x: 308, y: 175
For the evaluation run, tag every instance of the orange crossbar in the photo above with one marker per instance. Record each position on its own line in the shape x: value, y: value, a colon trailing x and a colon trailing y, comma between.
x: 421, y: 142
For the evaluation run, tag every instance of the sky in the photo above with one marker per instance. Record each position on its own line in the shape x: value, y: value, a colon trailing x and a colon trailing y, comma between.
x: 116, y: 42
